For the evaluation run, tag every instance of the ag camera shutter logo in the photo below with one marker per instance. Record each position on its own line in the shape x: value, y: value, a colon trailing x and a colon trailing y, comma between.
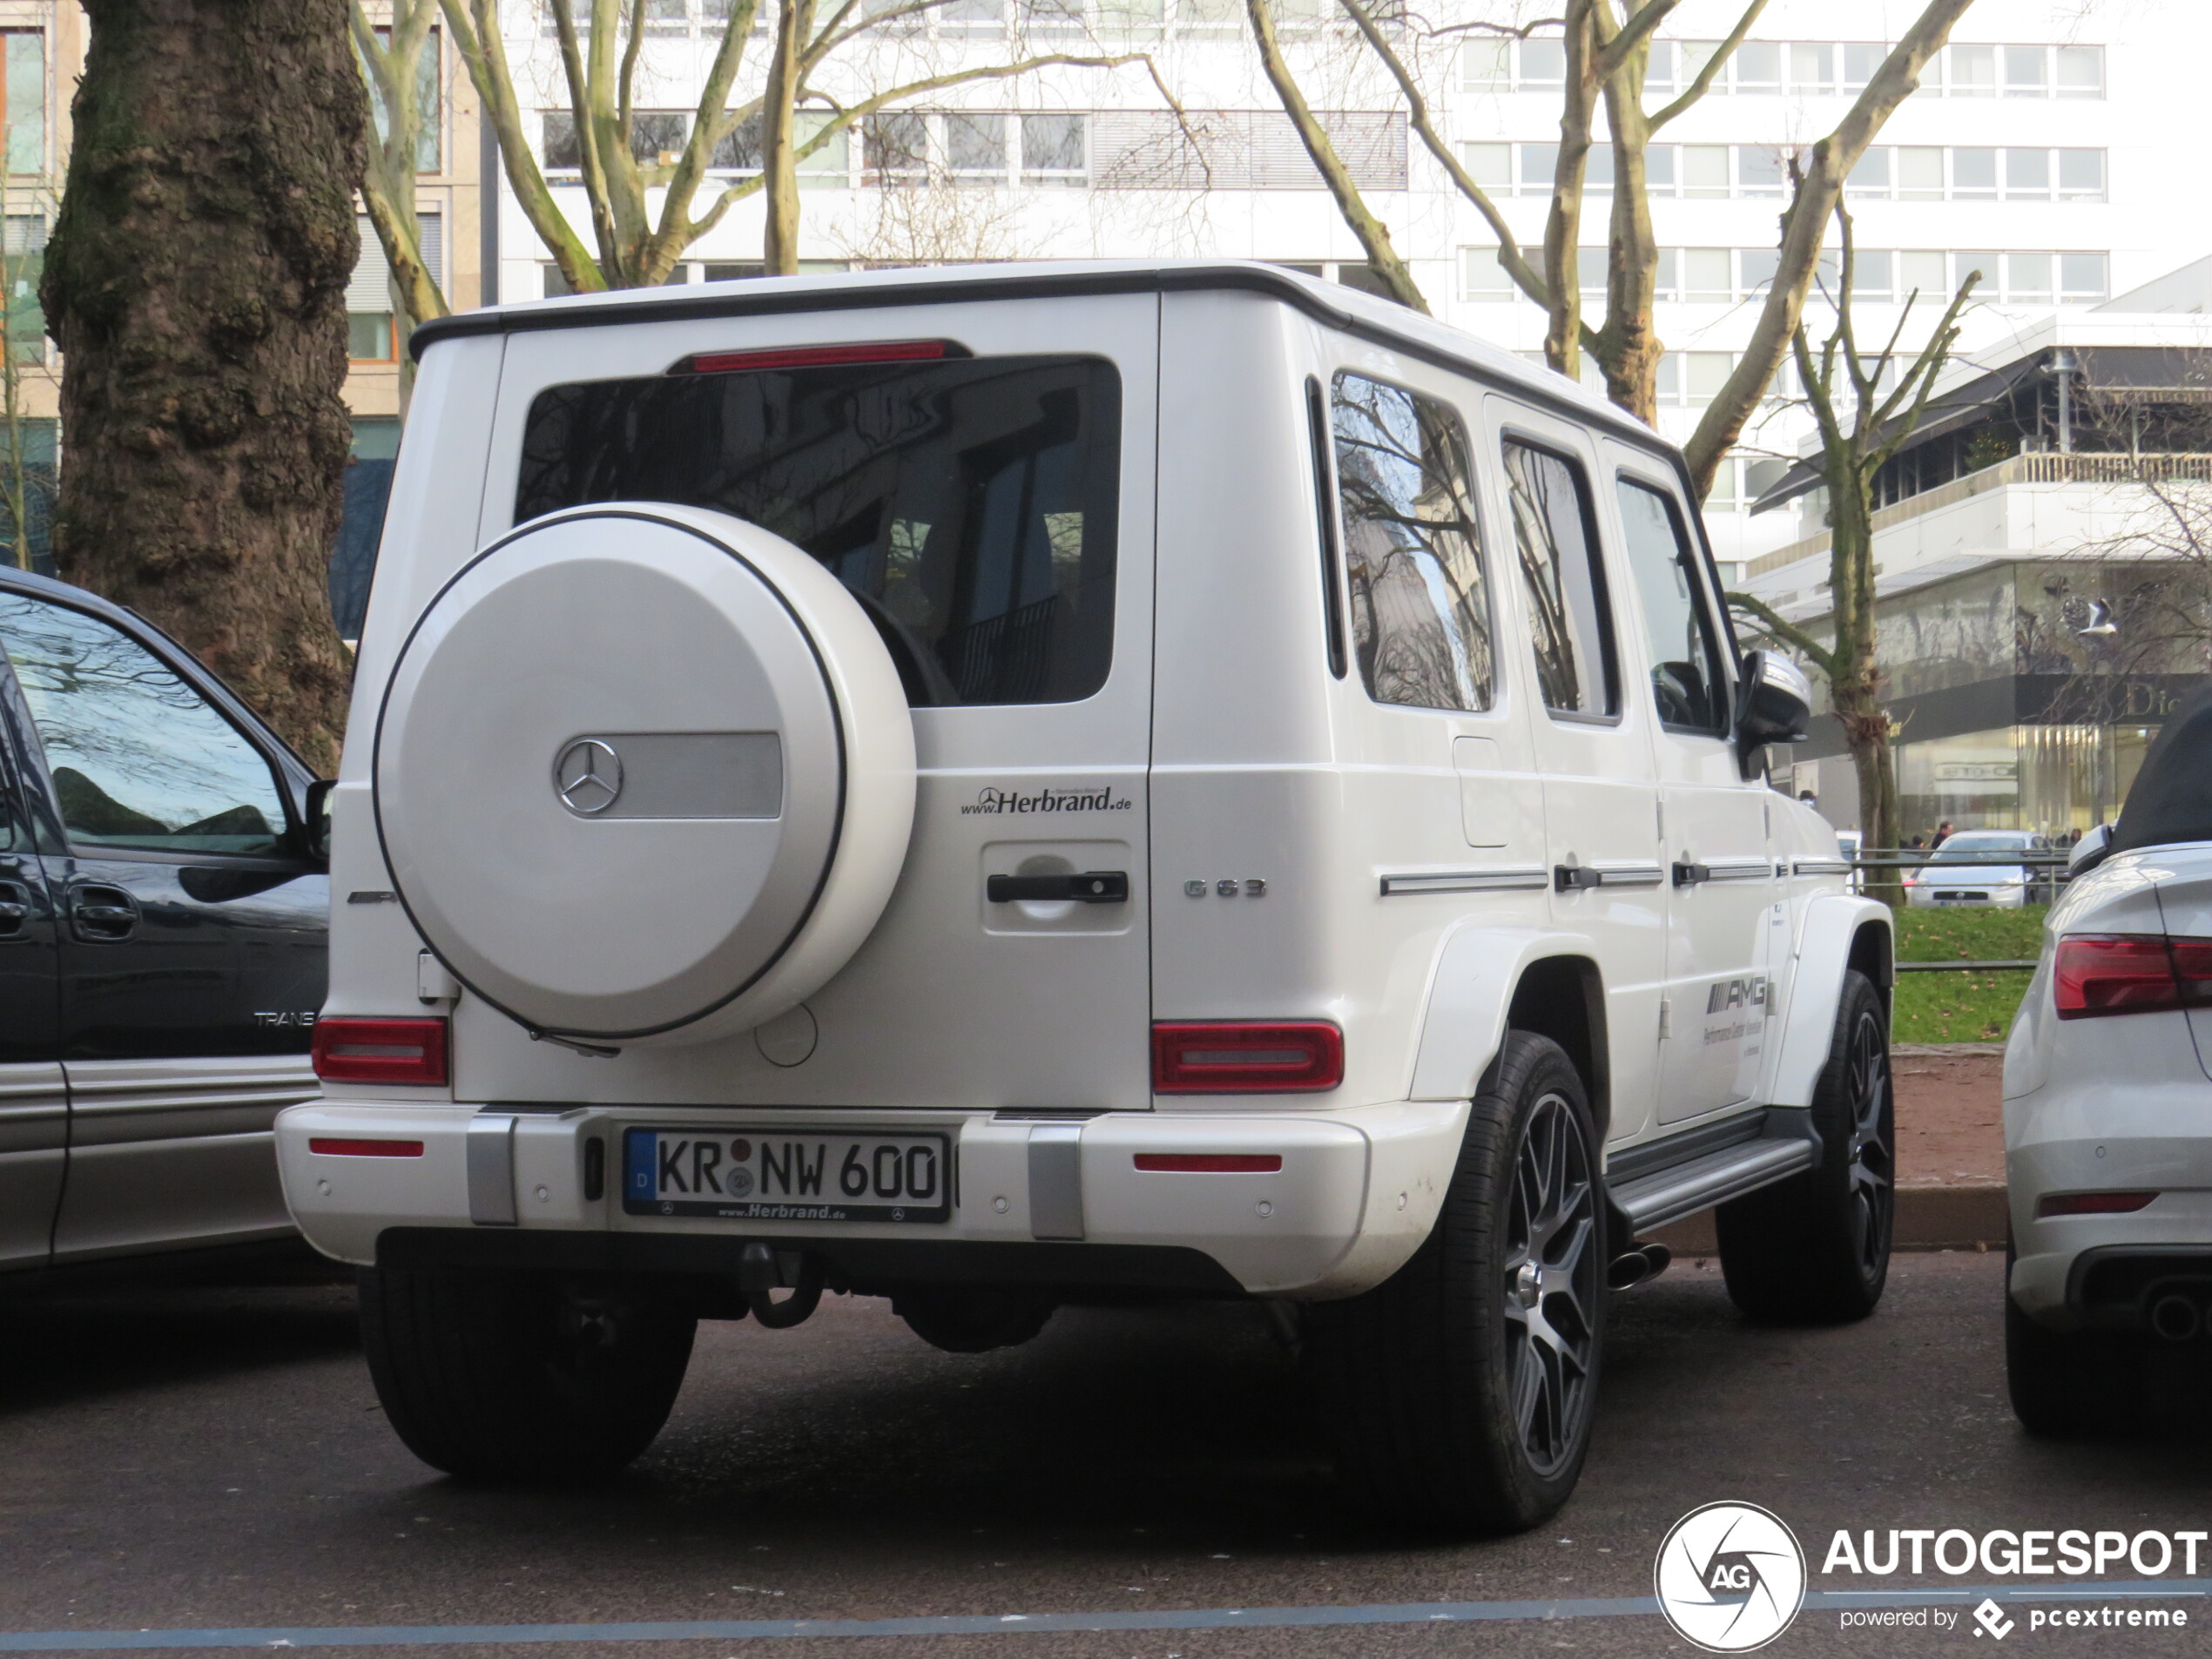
x: 1729, y: 1577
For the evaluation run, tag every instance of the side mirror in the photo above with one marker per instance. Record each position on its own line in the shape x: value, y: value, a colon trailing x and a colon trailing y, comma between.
x: 2090, y: 851
x: 316, y: 813
x: 1773, y: 704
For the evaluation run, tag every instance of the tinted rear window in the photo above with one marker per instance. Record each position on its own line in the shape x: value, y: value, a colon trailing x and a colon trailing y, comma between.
x: 968, y: 504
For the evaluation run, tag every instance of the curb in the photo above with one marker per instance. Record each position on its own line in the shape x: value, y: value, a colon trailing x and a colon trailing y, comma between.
x: 1927, y: 1218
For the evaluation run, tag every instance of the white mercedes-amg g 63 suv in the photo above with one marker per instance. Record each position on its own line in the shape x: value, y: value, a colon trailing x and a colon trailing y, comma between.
x: 996, y: 788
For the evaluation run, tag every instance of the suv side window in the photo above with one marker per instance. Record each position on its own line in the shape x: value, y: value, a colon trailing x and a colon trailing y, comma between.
x: 1420, y: 596
x: 137, y: 756
x: 1686, y: 679
x: 1569, y: 620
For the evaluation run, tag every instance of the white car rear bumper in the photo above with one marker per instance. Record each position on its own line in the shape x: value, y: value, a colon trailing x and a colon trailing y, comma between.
x: 1358, y: 1191
x: 2104, y: 1138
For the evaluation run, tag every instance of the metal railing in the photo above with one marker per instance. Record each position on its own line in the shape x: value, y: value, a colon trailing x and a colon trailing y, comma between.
x: 2052, y: 860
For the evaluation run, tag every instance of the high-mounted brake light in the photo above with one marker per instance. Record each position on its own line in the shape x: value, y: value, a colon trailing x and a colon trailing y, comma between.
x: 1210, y: 1163
x: 2091, y: 1203
x: 331, y: 1146
x: 382, y: 1051
x: 881, y: 351
x: 1246, y: 1056
x: 2101, y: 973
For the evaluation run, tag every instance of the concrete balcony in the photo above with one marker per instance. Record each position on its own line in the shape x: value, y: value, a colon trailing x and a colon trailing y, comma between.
x: 2043, y: 504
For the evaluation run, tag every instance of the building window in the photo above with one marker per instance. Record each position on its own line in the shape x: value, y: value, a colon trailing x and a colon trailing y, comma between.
x: 1971, y: 71
x: 1861, y: 59
x: 1707, y: 275
x: 2083, y: 276
x: 1973, y: 174
x: 1812, y: 68
x: 1053, y: 150
x: 2081, y: 175
x: 1757, y: 66
x: 975, y: 148
x: 22, y: 99
x: 429, y: 115
x: 1543, y: 63
x: 2027, y: 71
x: 894, y: 148
x: 1485, y: 278
x: 26, y: 262
x: 1705, y: 170
x: 2080, y: 72
x: 1486, y: 65
x: 372, y: 335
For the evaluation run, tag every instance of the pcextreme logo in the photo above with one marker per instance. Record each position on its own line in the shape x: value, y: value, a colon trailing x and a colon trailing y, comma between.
x: 1729, y: 1577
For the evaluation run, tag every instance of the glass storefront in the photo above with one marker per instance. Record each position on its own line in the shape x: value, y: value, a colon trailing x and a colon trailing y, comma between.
x: 2052, y: 779
x: 2024, y: 691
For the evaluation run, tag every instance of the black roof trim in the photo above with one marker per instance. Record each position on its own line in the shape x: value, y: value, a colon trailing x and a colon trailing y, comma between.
x: 1250, y: 279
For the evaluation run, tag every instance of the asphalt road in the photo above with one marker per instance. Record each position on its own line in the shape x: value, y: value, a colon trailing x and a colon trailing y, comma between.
x: 214, y: 1457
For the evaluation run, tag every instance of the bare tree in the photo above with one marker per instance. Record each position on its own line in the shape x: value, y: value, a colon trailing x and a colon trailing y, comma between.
x: 1866, y: 407
x: 394, y: 65
x: 1607, y: 53
x: 647, y: 205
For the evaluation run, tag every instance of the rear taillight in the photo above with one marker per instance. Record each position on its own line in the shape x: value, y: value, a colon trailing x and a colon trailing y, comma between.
x: 2091, y: 1203
x: 2099, y: 973
x: 1210, y: 1163
x: 333, y: 1146
x: 1246, y: 1056
x: 380, y: 1051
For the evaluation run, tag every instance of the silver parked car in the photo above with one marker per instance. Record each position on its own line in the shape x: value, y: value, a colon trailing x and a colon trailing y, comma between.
x: 1976, y: 882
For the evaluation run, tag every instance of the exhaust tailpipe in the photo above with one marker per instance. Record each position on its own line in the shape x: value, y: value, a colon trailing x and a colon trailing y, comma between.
x: 2176, y: 1317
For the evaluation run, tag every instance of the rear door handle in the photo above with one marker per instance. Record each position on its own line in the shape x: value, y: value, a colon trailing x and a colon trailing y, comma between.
x: 1688, y: 876
x: 102, y: 916
x: 14, y: 909
x: 1092, y: 887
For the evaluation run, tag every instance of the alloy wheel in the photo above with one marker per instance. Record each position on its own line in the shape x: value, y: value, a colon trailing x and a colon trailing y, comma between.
x: 1871, y: 1161
x: 1552, y: 1282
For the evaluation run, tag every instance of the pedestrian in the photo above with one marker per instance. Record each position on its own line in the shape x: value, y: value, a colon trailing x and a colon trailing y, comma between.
x: 1943, y: 835
x: 1917, y: 842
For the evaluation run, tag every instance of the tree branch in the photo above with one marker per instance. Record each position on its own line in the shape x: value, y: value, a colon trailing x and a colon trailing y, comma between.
x: 1803, y: 230
x: 1771, y: 623
x: 1374, y: 234
x: 1718, y: 61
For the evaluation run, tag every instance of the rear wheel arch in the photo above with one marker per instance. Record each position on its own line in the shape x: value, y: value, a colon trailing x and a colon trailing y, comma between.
x: 1563, y: 997
x: 1873, y: 953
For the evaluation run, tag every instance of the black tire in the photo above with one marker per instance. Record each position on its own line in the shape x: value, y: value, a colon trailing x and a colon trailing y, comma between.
x: 1461, y: 1391
x: 518, y: 1377
x: 2064, y: 1385
x: 1815, y: 1249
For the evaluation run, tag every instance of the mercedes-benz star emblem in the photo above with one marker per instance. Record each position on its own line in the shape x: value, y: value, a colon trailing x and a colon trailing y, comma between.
x: 587, y: 777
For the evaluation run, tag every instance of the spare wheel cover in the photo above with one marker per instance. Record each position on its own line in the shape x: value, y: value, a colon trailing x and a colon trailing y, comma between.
x: 629, y: 759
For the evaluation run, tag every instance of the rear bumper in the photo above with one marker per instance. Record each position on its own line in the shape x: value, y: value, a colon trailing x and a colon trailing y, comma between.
x: 2097, y: 1138
x: 1054, y: 1203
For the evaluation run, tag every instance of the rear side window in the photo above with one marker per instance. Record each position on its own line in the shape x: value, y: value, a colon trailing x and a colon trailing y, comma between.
x: 1420, y: 597
x: 137, y: 758
x: 1568, y: 621
x: 968, y: 504
x: 1686, y: 682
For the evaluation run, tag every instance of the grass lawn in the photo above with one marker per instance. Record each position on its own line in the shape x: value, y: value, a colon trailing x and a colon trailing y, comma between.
x: 1962, y: 1007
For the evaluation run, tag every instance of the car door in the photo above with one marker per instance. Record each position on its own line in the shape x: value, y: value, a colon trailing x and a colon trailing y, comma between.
x: 1592, y: 742
x: 1721, y: 891
x: 34, y: 1100
x: 191, y: 936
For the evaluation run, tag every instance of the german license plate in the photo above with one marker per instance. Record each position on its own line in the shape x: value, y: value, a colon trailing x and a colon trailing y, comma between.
x: 780, y: 1175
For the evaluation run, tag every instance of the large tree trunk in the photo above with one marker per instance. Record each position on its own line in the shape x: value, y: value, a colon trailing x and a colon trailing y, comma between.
x: 778, y: 163
x: 196, y: 286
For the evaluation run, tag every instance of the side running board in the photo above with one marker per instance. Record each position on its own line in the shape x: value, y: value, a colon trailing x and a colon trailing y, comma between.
x: 1666, y: 1180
